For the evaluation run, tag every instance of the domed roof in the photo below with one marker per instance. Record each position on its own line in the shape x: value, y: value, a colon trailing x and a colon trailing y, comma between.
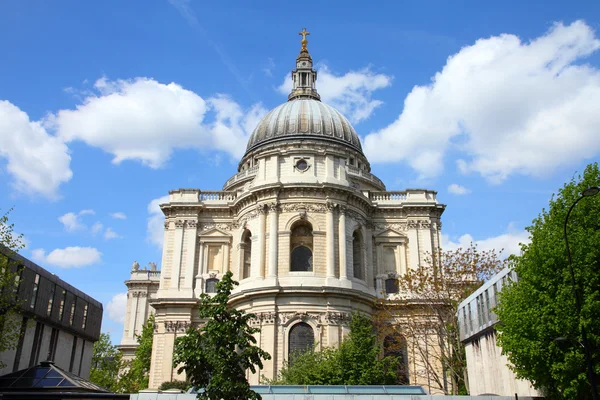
x: 304, y: 116
x: 304, y: 119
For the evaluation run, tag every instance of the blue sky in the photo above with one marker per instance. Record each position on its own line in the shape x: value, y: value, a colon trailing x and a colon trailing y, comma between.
x: 106, y: 106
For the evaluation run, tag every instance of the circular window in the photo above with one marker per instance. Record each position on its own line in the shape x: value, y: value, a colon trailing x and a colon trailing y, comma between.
x: 301, y: 165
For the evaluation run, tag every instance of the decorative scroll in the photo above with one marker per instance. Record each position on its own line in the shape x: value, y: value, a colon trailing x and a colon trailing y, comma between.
x: 337, y: 317
x: 139, y: 294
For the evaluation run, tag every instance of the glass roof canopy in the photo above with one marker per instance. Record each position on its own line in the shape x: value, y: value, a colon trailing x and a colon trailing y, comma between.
x: 47, y: 377
x: 322, y: 389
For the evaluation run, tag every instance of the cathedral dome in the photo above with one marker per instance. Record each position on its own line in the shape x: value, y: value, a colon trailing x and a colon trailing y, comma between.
x: 304, y: 118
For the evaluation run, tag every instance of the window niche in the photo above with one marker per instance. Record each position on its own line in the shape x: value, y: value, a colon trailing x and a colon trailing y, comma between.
x: 246, y: 254
x: 396, y: 346
x: 357, y: 255
x: 301, y: 247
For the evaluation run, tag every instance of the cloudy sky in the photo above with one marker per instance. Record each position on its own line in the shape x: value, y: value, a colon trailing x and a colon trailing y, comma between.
x: 106, y: 106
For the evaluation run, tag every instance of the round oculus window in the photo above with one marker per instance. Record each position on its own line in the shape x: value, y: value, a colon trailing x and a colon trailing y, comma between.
x: 301, y: 165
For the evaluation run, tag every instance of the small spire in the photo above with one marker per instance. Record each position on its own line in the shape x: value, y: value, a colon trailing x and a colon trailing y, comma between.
x: 304, y: 41
x: 304, y: 76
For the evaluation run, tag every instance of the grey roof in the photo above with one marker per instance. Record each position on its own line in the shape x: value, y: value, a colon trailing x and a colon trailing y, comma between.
x: 304, y: 119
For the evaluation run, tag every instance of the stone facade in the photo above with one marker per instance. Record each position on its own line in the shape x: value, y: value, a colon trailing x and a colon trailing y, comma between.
x: 307, y: 230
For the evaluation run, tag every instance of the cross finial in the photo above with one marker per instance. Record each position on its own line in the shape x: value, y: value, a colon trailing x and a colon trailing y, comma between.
x: 304, y: 41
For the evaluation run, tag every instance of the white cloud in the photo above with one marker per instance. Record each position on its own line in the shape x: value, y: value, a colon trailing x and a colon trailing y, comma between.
x: 156, y: 229
x: 508, y: 241
x: 97, y: 227
x: 116, y: 307
x: 350, y: 93
x: 110, y: 234
x: 72, y: 221
x: 269, y: 67
x: 69, y: 257
x: 118, y: 215
x: 458, y: 189
x: 510, y: 107
x: 145, y: 120
x: 37, y: 161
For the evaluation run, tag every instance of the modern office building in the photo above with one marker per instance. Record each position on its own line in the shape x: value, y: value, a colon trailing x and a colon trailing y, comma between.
x: 57, y: 321
x: 487, y: 367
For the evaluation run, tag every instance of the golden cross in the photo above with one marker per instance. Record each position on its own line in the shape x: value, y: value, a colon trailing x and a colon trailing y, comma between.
x: 304, y: 41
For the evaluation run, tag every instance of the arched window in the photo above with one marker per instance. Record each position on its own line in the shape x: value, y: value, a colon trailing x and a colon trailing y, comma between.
x: 302, y: 338
x: 357, y: 255
x: 391, y: 285
x: 395, y: 346
x: 246, y: 249
x: 211, y: 285
x: 301, y: 247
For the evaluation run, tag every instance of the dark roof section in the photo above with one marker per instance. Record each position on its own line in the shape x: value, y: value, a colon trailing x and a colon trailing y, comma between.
x: 48, y: 275
x: 46, y: 377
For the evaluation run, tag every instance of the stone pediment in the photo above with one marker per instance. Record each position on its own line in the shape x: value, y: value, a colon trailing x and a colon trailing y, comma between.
x: 390, y: 233
x: 214, y: 232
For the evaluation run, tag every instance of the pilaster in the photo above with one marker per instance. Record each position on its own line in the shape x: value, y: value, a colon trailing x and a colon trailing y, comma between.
x: 330, y: 240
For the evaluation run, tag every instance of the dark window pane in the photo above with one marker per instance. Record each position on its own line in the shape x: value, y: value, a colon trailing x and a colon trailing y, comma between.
x: 301, y: 259
x: 391, y: 285
x: 211, y: 285
x: 302, y: 338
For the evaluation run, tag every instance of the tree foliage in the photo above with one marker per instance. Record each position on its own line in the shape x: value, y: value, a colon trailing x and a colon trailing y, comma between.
x: 10, y: 321
x: 137, y: 376
x: 181, y: 385
x: 106, y: 363
x: 540, y: 307
x: 355, y: 362
x: 216, y: 356
x: 424, y: 313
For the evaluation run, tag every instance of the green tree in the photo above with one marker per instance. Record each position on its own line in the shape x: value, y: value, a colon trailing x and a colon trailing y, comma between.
x: 355, y: 362
x: 137, y: 376
x: 216, y: 356
x: 10, y: 320
x: 425, y: 312
x: 106, y: 364
x: 540, y: 307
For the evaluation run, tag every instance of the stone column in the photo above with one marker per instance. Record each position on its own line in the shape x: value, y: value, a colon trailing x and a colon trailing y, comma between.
x: 198, y: 287
x: 342, y: 239
x: 370, y: 263
x: 133, y: 315
x: 176, y: 267
x: 402, y: 264
x: 330, y: 240
x: 191, y: 230
x: 273, y: 237
x: 262, y: 220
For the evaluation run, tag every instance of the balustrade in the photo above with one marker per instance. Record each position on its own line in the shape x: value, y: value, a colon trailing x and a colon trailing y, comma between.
x: 219, y: 195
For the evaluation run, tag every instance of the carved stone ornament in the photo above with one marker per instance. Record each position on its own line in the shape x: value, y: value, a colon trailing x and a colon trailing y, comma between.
x: 177, y: 326
x: 303, y: 208
x: 343, y: 210
x: 285, y: 317
x: 135, y: 266
x: 330, y: 206
x: 222, y: 226
x: 191, y: 223
x: 337, y: 317
x: 139, y: 294
x: 179, y: 223
x: 261, y: 209
x: 212, y: 275
x: 166, y: 225
x: 152, y: 266
x: 263, y: 318
x: 273, y: 207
